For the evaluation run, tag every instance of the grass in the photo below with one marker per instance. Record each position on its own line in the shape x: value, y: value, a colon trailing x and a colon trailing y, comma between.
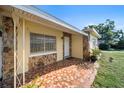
x: 110, y: 74
x: 35, y: 83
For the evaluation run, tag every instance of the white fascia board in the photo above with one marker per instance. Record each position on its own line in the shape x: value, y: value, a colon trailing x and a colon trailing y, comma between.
x: 94, y: 31
x: 98, y: 35
x: 83, y: 33
x: 42, y: 14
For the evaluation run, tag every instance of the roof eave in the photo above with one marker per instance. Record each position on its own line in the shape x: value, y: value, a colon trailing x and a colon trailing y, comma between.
x: 97, y: 34
x: 94, y: 31
x: 48, y: 17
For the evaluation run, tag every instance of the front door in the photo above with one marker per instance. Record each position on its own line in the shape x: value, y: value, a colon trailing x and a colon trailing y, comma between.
x: 66, y: 47
x: 0, y: 57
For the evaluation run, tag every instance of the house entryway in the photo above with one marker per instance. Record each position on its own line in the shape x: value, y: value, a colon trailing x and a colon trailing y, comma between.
x: 0, y: 55
x: 66, y: 47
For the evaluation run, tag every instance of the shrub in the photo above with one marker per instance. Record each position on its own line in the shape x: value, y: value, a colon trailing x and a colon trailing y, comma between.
x: 95, y: 54
x: 96, y: 51
x: 121, y: 44
x: 114, y: 46
x: 104, y: 46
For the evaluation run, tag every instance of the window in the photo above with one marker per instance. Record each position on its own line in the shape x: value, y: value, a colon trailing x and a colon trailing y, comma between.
x: 50, y: 43
x: 94, y: 42
x: 42, y: 43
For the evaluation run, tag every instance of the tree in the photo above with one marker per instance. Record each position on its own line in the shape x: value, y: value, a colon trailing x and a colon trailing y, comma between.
x: 120, y: 34
x: 121, y: 44
x: 105, y: 30
x: 109, y: 35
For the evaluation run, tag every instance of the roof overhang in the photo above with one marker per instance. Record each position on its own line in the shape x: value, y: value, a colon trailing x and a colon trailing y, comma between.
x: 93, y: 32
x: 51, y: 19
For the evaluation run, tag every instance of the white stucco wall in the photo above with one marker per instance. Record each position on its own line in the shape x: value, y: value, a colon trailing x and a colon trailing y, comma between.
x: 93, y: 42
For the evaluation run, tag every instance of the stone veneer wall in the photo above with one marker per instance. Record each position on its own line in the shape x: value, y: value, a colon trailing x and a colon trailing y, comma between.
x: 86, y: 52
x: 40, y: 61
x: 8, y: 47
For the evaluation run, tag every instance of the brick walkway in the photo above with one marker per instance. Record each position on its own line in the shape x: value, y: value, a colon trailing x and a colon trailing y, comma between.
x: 70, y: 73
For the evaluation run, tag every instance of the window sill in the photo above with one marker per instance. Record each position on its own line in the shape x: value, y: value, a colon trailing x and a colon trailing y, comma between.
x: 41, y: 54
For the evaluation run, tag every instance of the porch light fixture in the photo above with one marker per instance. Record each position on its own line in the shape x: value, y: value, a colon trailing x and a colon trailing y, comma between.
x: 62, y: 37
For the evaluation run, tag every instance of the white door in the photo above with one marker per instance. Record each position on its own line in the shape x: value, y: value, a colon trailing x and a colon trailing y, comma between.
x: 66, y: 47
x: 0, y: 57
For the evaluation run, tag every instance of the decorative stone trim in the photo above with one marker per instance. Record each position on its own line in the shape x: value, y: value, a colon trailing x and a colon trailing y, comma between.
x: 40, y: 61
x: 8, y: 47
x: 86, y: 52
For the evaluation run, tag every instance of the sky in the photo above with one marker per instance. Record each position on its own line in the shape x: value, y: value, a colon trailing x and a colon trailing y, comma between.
x: 81, y: 16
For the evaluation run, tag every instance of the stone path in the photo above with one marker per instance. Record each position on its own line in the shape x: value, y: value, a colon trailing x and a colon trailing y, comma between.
x: 71, y: 73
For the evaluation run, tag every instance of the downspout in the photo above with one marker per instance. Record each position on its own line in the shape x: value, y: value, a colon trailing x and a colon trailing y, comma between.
x: 15, y: 54
x: 16, y: 78
x: 82, y: 48
x: 23, y: 51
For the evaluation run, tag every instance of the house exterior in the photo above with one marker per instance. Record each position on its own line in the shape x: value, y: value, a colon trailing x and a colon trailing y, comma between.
x: 93, y: 37
x: 30, y: 38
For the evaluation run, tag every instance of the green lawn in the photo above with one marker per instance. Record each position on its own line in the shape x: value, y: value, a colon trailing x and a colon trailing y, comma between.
x: 110, y: 74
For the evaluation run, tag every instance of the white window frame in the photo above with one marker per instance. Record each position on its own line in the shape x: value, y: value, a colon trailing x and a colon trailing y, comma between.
x: 42, y: 53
